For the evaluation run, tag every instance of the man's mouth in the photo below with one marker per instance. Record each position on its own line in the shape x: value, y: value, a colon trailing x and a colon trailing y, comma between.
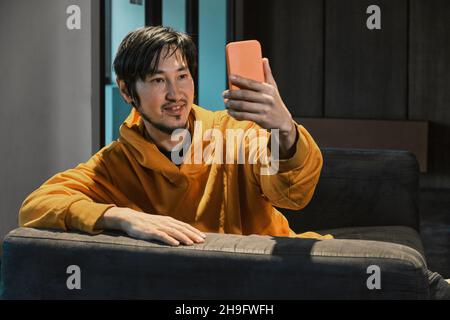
x: 174, y: 110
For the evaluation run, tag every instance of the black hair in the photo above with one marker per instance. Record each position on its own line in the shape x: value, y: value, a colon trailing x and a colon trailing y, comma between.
x: 139, y: 53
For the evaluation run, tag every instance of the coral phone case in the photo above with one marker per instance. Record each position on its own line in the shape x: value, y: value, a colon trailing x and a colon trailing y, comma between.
x: 244, y: 58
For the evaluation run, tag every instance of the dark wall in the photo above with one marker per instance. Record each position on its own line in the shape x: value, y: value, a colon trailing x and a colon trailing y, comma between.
x: 365, y: 70
x: 291, y: 36
x: 429, y: 85
x: 328, y: 64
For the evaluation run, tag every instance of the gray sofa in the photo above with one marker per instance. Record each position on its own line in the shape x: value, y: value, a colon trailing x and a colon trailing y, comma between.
x: 367, y: 199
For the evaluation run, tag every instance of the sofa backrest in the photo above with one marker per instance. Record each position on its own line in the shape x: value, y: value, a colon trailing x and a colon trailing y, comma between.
x: 361, y: 187
x: 45, y: 264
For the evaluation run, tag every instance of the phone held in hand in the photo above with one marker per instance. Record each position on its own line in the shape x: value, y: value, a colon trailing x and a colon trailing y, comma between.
x: 244, y: 58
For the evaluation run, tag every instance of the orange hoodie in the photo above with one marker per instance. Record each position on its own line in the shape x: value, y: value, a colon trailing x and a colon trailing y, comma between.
x: 222, y: 198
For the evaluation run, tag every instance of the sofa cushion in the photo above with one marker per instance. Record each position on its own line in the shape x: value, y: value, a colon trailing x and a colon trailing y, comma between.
x: 395, y: 234
x: 360, y: 187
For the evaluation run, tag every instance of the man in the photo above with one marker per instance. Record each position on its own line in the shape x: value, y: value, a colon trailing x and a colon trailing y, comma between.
x: 133, y: 185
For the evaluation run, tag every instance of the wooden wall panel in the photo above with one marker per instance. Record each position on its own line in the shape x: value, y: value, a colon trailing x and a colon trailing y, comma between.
x: 371, y: 134
x: 291, y: 35
x: 365, y: 70
x: 429, y: 86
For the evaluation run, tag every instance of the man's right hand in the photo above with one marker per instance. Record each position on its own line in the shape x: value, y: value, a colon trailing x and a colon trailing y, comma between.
x: 150, y: 226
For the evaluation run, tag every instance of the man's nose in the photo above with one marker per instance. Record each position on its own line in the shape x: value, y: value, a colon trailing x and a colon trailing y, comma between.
x: 173, y: 92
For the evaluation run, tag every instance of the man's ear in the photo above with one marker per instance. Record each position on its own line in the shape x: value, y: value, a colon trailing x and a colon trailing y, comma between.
x: 123, y: 91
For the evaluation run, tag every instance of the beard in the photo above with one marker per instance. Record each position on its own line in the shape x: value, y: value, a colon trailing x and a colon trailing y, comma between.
x: 160, y: 126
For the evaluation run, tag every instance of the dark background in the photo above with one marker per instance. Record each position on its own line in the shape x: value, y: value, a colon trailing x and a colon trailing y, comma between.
x: 329, y: 65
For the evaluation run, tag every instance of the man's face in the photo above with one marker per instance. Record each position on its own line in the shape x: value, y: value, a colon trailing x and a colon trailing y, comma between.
x: 166, y: 97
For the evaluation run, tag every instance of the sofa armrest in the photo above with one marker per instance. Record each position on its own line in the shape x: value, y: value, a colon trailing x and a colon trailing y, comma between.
x: 35, y: 262
x: 360, y: 188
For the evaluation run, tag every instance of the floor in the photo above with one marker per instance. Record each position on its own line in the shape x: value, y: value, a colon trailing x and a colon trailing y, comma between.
x: 435, y: 229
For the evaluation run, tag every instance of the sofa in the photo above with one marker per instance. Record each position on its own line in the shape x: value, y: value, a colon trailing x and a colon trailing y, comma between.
x: 368, y: 199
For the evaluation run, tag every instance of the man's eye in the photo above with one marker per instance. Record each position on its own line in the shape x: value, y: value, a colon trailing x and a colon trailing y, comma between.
x: 184, y: 76
x: 158, y: 80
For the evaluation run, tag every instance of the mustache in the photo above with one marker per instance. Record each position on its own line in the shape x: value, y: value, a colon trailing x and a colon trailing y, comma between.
x: 171, y: 104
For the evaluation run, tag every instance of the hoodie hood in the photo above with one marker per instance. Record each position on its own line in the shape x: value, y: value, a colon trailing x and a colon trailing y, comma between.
x: 145, y: 151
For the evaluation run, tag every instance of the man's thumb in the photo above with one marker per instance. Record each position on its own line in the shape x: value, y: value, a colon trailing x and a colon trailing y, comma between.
x: 268, y: 73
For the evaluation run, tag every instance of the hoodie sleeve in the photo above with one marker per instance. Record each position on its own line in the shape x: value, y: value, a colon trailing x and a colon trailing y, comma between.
x: 73, y: 199
x: 293, y: 184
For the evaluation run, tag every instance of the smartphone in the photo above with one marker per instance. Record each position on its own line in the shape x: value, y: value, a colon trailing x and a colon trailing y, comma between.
x: 244, y: 58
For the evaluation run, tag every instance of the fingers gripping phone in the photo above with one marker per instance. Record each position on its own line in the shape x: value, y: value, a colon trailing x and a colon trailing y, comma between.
x: 244, y: 58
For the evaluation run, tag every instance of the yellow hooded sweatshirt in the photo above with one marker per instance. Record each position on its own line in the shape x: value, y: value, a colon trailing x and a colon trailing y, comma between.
x: 221, y: 198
